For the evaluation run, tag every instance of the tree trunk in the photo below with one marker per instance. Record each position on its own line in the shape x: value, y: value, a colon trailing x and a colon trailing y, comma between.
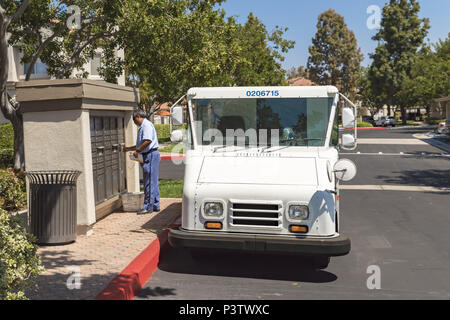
x: 404, y: 120
x: 12, y: 113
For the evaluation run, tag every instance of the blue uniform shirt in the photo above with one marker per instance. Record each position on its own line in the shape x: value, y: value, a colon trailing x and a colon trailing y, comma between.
x: 147, y: 131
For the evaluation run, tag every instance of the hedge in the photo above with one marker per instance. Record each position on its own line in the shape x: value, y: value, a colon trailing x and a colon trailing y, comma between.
x: 364, y: 125
x: 432, y: 121
x: 163, y: 131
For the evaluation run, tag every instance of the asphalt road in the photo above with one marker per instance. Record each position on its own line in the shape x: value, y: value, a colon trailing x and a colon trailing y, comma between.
x: 405, y: 234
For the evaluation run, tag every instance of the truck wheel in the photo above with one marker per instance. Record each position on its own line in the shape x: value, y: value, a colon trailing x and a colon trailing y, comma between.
x: 321, y: 262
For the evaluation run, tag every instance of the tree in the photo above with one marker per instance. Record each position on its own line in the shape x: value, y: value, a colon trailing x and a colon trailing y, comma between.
x: 300, y: 72
x: 430, y: 75
x: 399, y: 39
x: 10, y: 14
x: 261, y: 54
x: 334, y: 56
x: 368, y: 98
x: 187, y: 43
x: 62, y: 34
x: 196, y: 47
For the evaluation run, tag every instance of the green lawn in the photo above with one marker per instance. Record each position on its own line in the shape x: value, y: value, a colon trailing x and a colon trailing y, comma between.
x: 170, y: 149
x: 170, y: 189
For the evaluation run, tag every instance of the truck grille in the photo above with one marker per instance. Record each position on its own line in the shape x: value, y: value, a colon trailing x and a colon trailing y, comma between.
x: 256, y: 215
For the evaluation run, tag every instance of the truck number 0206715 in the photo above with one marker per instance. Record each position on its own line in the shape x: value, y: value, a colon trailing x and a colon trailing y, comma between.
x: 265, y: 93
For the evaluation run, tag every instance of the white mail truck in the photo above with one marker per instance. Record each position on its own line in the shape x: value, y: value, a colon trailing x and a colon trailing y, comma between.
x: 263, y: 170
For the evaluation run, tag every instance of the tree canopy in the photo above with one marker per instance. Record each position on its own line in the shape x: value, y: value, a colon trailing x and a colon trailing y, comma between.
x: 189, y: 44
x: 400, y: 37
x: 335, y: 57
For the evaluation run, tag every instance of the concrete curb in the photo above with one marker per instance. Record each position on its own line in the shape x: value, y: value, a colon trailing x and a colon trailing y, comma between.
x: 128, y: 283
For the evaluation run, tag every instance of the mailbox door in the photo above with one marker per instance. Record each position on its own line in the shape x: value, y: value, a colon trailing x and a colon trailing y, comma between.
x: 107, y: 136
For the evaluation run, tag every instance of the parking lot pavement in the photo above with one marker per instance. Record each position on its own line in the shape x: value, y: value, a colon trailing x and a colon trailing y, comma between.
x: 403, y: 233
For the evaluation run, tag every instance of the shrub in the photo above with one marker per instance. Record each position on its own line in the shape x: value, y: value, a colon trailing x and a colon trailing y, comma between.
x: 6, y: 146
x: 20, y: 263
x: 12, y: 191
x: 434, y: 121
x: 364, y: 125
x: 6, y: 136
x: 163, y: 132
x: 6, y: 158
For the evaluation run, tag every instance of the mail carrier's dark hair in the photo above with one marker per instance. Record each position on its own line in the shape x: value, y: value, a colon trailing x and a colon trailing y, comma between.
x: 139, y: 114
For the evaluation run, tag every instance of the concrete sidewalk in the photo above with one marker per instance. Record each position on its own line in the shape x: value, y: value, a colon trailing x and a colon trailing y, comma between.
x: 116, y: 241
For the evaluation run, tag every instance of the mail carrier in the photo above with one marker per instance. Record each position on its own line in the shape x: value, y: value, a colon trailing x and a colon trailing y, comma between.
x: 263, y: 170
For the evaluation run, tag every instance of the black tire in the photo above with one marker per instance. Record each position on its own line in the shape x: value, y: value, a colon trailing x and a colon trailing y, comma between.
x: 321, y: 262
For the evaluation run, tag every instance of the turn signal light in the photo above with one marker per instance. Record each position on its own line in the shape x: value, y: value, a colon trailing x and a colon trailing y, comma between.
x: 213, y: 225
x: 299, y: 229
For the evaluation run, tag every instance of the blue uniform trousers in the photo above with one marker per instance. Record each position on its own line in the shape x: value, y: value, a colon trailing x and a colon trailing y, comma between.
x: 151, y: 180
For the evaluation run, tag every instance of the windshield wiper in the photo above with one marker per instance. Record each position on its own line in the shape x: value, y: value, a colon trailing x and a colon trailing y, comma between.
x: 289, y: 140
x: 301, y: 139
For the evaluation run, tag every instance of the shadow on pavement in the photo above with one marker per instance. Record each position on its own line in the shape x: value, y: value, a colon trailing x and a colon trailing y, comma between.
x: 163, y: 219
x: 427, y: 178
x: 240, y: 265
x: 155, y: 292
x: 53, y: 285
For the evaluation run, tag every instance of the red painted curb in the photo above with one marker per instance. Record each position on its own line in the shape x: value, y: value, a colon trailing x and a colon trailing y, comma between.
x: 375, y: 128
x: 128, y: 283
x: 170, y: 158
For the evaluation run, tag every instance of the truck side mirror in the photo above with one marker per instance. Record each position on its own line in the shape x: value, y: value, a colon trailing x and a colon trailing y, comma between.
x: 348, y: 118
x: 177, y: 116
x: 177, y: 136
x: 345, y: 170
x: 348, y: 142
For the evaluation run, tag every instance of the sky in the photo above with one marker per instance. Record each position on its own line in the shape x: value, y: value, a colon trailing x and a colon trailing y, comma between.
x: 300, y: 16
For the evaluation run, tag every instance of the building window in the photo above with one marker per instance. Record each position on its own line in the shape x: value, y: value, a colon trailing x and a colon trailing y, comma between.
x: 96, y: 64
x: 39, y: 68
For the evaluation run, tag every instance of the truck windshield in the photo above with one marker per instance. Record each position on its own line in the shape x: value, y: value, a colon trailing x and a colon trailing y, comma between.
x: 262, y: 122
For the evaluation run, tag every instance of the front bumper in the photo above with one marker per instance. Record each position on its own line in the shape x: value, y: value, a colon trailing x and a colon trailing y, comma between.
x: 331, y: 247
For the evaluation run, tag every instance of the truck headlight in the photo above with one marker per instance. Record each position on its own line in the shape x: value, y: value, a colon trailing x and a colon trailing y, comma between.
x: 299, y: 212
x: 213, y: 209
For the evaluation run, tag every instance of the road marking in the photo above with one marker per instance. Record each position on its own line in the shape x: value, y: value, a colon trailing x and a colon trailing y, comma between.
x: 379, y: 242
x: 394, y: 188
x: 393, y: 142
x: 402, y: 154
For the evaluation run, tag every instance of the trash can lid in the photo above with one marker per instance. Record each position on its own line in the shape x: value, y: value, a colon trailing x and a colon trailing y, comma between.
x: 53, y: 177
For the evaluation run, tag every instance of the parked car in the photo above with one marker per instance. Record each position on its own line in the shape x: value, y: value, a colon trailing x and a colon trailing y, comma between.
x: 447, y: 126
x: 390, y: 122
x: 369, y: 120
x: 386, y: 122
x: 442, y: 128
x: 380, y: 121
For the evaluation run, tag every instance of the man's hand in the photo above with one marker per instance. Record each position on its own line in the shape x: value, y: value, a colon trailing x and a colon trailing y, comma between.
x: 136, y: 154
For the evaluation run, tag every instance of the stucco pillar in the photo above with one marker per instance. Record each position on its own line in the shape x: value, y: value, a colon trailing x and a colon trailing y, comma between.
x: 57, y: 131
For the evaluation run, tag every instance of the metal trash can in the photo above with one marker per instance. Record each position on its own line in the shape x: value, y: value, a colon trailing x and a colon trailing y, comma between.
x: 53, y: 206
